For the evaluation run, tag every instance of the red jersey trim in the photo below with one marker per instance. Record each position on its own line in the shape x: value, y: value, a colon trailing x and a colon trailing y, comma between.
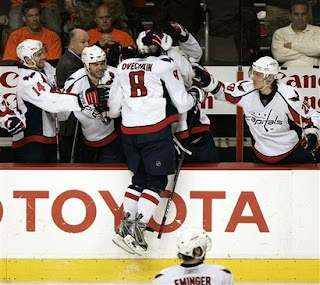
x: 195, y: 130
x: 102, y: 142
x: 150, y: 129
x: 274, y: 159
x: 34, y: 138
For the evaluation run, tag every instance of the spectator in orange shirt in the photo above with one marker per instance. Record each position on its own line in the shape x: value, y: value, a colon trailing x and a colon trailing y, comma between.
x: 33, y: 30
x: 50, y: 14
x: 108, y: 29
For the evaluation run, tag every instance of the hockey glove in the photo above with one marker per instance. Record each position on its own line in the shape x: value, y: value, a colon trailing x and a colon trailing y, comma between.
x: 152, y: 38
x: 94, y: 96
x: 311, y: 139
x: 14, y: 125
x: 175, y: 30
x: 127, y: 52
x: 203, y: 78
x: 197, y: 94
x: 114, y: 54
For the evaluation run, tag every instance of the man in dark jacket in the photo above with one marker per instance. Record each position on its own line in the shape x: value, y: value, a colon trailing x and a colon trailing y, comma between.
x: 68, y: 64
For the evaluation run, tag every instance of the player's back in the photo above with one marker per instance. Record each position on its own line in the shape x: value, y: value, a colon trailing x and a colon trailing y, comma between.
x: 142, y: 82
x: 206, y: 274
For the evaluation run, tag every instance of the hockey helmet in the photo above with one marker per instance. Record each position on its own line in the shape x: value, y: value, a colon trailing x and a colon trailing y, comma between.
x: 265, y: 65
x: 192, y: 238
x: 28, y: 48
x: 92, y: 54
x: 157, y: 39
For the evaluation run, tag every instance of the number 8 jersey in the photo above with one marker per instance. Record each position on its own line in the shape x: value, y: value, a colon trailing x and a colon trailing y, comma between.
x: 149, y: 93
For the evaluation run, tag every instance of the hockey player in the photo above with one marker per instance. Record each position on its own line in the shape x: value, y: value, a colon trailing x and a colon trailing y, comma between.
x: 102, y: 140
x: 38, y: 101
x: 187, y: 42
x: 10, y: 118
x: 284, y: 127
x: 193, y: 129
x: 193, y: 245
x: 148, y: 92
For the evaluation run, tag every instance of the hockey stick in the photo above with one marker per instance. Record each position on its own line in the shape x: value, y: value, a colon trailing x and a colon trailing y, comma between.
x: 74, y: 143
x: 176, y: 176
x: 57, y: 136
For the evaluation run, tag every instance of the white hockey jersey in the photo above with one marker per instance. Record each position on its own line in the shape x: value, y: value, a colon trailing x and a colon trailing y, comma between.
x: 200, y: 121
x: 204, y: 274
x: 148, y: 92
x: 96, y: 132
x: 38, y: 100
x: 270, y: 125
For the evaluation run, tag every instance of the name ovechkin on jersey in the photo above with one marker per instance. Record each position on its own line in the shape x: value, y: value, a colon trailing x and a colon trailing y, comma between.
x: 135, y: 66
x: 194, y: 280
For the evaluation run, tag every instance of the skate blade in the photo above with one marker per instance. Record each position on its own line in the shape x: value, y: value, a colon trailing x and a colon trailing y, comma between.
x: 131, y: 242
x: 119, y: 241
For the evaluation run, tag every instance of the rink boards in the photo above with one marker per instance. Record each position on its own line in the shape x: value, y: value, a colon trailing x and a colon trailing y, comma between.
x: 57, y: 222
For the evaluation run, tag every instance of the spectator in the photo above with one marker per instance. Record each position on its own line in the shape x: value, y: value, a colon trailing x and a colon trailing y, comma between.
x: 187, y: 13
x: 284, y: 128
x: 33, y: 30
x: 38, y: 100
x: 4, y: 21
x: 234, y: 32
x: 108, y: 30
x: 147, y: 92
x: 277, y: 15
x: 193, y: 244
x: 69, y: 63
x: 101, y: 137
x: 50, y: 15
x: 299, y: 43
x: 4, y: 10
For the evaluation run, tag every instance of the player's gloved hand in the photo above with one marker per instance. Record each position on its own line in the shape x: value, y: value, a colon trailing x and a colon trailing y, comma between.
x: 14, y: 125
x: 103, y: 93
x: 94, y: 96
x: 203, y: 78
x: 127, y: 52
x: 152, y: 38
x: 311, y: 139
x: 114, y: 54
x: 198, y: 94
x: 175, y: 30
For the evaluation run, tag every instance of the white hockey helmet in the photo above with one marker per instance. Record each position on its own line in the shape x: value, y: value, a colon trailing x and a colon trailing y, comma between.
x: 28, y: 48
x: 161, y: 40
x: 192, y: 238
x: 92, y: 54
x: 266, y: 65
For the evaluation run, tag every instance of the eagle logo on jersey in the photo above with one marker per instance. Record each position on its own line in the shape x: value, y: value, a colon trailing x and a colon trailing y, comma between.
x: 295, y: 98
x: 29, y: 76
x: 240, y: 87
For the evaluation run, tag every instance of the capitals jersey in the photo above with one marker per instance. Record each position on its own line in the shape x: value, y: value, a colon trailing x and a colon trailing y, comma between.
x: 38, y: 100
x: 96, y: 132
x: 204, y: 274
x: 273, y: 127
x: 149, y: 93
x: 200, y: 121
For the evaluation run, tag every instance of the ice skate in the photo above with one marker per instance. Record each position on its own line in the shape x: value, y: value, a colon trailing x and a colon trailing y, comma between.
x: 121, y: 232
x: 135, y: 238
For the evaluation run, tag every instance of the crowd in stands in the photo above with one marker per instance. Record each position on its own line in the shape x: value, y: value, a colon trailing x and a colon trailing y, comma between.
x: 67, y: 27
